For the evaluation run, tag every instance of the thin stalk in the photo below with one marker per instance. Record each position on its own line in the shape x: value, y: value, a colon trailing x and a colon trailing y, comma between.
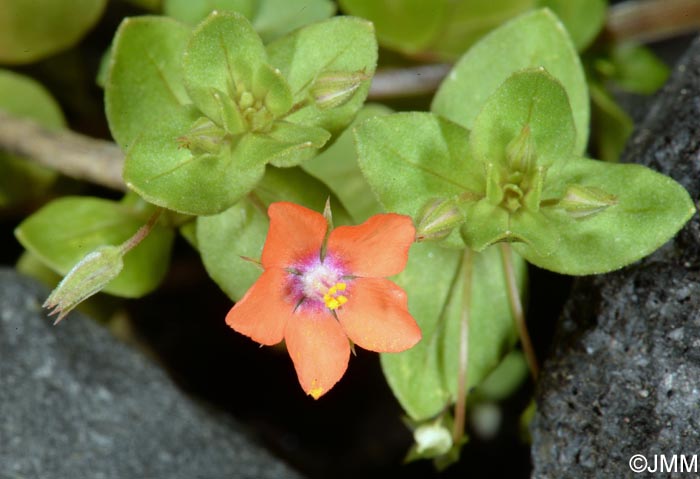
x: 141, y: 233
x: 516, y: 308
x: 461, y: 403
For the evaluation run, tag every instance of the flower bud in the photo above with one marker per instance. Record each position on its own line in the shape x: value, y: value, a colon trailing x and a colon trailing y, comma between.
x: 333, y: 89
x: 520, y: 152
x: 437, y: 219
x: 582, y: 201
x: 86, y: 278
x: 432, y: 440
x: 205, y: 137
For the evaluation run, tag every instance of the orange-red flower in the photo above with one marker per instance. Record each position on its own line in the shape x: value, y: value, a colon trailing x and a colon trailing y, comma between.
x: 319, y: 293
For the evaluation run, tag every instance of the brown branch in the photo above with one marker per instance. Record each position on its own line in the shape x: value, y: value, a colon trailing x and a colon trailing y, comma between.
x: 410, y: 81
x: 72, y: 154
x: 645, y: 21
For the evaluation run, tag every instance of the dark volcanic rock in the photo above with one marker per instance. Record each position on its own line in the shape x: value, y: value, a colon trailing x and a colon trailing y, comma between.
x: 624, y: 375
x: 76, y: 403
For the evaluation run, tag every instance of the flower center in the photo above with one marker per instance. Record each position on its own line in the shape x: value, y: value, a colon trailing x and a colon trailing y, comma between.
x: 322, y: 284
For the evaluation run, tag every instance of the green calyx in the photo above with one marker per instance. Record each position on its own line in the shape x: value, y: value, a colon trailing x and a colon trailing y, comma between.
x: 517, y: 182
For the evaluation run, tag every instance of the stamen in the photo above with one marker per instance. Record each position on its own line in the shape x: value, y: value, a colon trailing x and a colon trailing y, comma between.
x: 332, y: 300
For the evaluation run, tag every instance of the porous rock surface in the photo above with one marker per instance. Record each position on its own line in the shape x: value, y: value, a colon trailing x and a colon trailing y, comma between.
x: 623, y: 377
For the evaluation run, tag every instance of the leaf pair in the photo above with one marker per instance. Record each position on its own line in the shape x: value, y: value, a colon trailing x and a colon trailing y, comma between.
x: 202, y: 113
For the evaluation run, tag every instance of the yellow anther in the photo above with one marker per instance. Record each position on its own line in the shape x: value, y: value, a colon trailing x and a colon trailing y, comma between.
x: 333, y: 303
x: 331, y: 300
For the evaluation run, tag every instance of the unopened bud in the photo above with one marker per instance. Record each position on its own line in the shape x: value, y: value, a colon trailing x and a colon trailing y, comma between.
x: 437, y: 219
x: 581, y: 201
x: 204, y: 137
x: 86, y: 278
x: 520, y: 152
x: 333, y: 89
x: 432, y: 440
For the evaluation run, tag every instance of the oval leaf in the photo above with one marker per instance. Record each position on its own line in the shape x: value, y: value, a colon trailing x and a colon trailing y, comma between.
x: 144, y: 87
x: 410, y: 159
x: 30, y: 31
x: 650, y: 208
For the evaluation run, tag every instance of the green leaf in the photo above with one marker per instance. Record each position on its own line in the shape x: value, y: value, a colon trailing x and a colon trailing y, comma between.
x: 338, y: 167
x: 637, y: 69
x: 611, y: 125
x: 424, y: 378
x: 166, y: 174
x: 297, y: 142
x: 144, y: 88
x: 341, y: 44
x: 270, y: 18
x: 407, y: 26
x: 24, y: 97
x: 532, y: 40
x: 531, y: 101
x: 192, y: 13
x: 650, y: 209
x: 410, y: 159
x: 32, y: 30
x: 583, y: 18
x: 466, y: 22
x: 274, y: 18
x: 61, y: 233
x: 21, y: 96
x: 225, y: 239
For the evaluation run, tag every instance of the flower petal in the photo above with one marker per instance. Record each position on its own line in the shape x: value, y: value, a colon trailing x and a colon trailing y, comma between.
x: 295, y: 233
x: 264, y: 310
x: 376, y: 316
x: 376, y: 248
x: 319, y: 349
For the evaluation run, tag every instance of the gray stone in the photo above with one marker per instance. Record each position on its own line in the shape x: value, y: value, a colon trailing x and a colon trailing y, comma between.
x: 77, y: 403
x: 624, y: 374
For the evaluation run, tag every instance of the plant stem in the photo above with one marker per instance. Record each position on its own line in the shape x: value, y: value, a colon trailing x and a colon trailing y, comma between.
x: 652, y: 20
x: 72, y: 154
x: 141, y: 233
x: 462, y: 392
x: 408, y: 81
x: 516, y: 307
